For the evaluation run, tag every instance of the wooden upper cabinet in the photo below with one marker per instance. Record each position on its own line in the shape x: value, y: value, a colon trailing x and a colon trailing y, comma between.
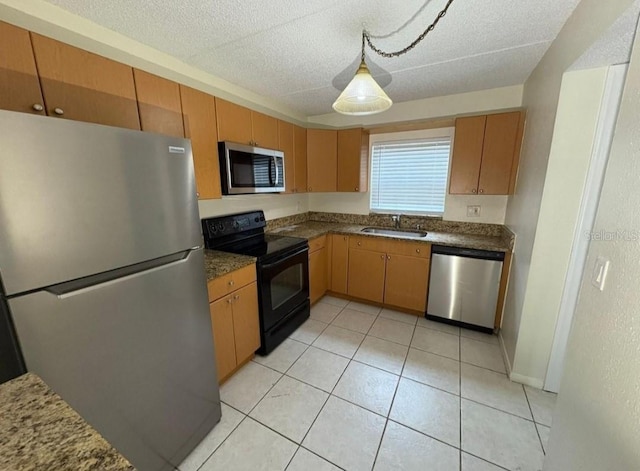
x: 300, y: 156
x: 159, y: 104
x: 467, y: 155
x: 353, y: 160
x: 499, y: 153
x: 19, y: 84
x: 199, y: 118
x: 322, y: 160
x: 264, y: 130
x: 82, y: 86
x: 286, y: 145
x: 234, y: 122
x: 486, y: 152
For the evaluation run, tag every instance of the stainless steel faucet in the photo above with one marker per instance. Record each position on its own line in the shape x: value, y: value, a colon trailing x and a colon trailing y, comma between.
x: 396, y: 219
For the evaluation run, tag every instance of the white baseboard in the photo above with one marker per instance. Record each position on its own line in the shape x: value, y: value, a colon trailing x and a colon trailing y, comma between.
x: 504, y: 354
x: 515, y: 377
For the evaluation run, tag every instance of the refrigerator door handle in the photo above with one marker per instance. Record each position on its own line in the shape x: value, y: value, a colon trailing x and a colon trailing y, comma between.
x: 75, y: 287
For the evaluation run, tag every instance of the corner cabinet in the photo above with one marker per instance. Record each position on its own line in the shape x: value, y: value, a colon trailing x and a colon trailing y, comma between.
x: 322, y: 160
x: 300, y: 157
x: 486, y: 153
x: 235, y: 323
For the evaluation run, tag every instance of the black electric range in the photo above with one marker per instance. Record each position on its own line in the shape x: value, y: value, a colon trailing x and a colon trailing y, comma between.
x: 282, y: 271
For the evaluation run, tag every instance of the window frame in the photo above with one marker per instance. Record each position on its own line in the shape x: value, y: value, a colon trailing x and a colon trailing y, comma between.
x: 435, y: 133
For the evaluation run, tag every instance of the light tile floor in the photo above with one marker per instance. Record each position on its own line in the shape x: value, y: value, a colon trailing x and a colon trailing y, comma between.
x: 362, y: 388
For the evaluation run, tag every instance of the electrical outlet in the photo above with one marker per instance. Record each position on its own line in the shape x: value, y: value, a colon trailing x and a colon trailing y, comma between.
x: 473, y: 211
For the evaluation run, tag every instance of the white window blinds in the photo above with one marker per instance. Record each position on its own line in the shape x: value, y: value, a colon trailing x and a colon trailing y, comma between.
x: 410, y: 176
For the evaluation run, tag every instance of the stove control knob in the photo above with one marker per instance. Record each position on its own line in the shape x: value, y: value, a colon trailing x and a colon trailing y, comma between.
x: 220, y: 226
x: 257, y: 219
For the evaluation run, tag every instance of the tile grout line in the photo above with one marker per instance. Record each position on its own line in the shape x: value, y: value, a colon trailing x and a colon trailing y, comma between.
x: 460, y: 391
x: 535, y: 424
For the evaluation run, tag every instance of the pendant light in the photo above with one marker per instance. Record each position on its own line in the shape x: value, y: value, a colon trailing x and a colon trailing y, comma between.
x: 363, y: 96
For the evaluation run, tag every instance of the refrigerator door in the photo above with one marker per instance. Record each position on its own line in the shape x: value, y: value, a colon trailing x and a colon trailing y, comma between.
x: 133, y: 355
x: 78, y: 199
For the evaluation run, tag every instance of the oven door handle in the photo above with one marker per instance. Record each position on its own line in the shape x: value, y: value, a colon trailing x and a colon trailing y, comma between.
x: 284, y: 257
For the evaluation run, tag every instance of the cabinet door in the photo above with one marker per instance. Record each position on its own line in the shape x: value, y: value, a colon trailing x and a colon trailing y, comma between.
x: 82, y: 86
x: 246, y: 324
x: 264, y: 130
x: 222, y: 324
x: 366, y: 274
x: 317, y: 274
x: 322, y: 160
x: 500, y: 137
x: 286, y: 145
x: 159, y: 104
x: 353, y: 160
x: 234, y: 122
x: 300, y: 152
x: 19, y: 84
x: 199, y: 118
x: 339, y: 263
x: 467, y: 155
x: 406, y: 282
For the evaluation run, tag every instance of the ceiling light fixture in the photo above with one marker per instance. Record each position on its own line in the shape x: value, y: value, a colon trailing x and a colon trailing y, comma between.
x: 363, y: 96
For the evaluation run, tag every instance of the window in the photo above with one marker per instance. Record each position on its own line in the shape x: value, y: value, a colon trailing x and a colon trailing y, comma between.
x: 410, y: 176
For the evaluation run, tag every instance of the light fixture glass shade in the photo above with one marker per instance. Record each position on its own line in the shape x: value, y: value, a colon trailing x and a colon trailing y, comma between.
x: 362, y: 96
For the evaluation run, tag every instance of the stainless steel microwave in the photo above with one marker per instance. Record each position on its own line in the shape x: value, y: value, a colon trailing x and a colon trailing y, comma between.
x: 246, y: 169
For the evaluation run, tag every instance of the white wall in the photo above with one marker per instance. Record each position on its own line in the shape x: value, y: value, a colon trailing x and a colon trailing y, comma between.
x: 596, y: 425
x: 541, y: 95
x: 428, y: 108
x: 274, y: 206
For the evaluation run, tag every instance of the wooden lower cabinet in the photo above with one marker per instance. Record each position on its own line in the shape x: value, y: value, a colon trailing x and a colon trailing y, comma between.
x: 234, y: 320
x: 406, y: 282
x: 366, y: 274
x: 318, y: 280
x: 339, y: 263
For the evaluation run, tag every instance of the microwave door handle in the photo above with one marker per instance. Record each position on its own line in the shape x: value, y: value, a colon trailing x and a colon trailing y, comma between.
x: 275, y: 165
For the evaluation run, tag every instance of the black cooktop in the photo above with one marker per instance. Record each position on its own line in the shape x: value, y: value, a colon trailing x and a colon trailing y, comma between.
x: 244, y: 234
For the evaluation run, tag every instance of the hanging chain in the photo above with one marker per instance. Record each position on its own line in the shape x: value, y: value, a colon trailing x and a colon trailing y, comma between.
x: 366, y: 37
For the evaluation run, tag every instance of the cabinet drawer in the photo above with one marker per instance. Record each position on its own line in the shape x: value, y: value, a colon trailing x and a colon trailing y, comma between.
x: 413, y: 249
x: 317, y: 243
x: 225, y: 284
x: 376, y: 244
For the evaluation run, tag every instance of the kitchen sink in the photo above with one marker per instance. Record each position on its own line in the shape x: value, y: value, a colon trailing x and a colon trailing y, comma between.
x: 394, y: 232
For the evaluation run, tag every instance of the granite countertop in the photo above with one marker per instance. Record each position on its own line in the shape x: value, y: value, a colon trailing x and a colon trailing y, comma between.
x: 39, y: 431
x: 312, y: 229
x: 217, y: 263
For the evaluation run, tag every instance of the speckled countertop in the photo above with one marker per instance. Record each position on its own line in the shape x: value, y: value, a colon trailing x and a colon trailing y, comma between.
x: 311, y: 229
x: 39, y: 431
x: 220, y: 263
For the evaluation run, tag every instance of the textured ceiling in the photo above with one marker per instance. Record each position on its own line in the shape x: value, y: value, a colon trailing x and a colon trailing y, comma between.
x: 298, y: 52
x: 614, y: 47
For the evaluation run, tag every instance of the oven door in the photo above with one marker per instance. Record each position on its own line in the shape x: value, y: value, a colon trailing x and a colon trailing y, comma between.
x: 284, y: 285
x: 252, y: 170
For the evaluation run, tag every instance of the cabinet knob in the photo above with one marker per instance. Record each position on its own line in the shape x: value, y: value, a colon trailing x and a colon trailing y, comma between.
x: 198, y: 194
x: 310, y: 189
x: 345, y: 238
x: 359, y: 244
x: 37, y: 107
x: 417, y: 250
x: 388, y: 257
x: 229, y: 301
x: 481, y: 191
x: 236, y: 297
x: 382, y: 257
x: 58, y: 111
x: 231, y: 283
x: 356, y: 188
x: 474, y: 191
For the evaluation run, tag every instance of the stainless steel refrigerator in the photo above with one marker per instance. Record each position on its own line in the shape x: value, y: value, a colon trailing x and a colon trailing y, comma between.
x: 103, y: 289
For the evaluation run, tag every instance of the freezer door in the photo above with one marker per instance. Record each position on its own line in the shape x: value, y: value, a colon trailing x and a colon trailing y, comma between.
x: 134, y: 356
x: 464, y: 289
x: 78, y: 199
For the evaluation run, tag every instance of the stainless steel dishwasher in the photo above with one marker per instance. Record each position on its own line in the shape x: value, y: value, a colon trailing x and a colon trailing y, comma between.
x: 463, y: 286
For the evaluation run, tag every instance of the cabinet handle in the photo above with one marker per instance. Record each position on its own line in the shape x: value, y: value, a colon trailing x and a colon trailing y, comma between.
x: 382, y: 257
x: 474, y: 191
x: 388, y: 257
x: 417, y: 250
x: 231, y: 283
x: 58, y: 111
x: 356, y: 189
x: 37, y: 107
x: 310, y: 189
x: 345, y: 238
x: 229, y: 301
x: 236, y: 297
x: 481, y: 191
x: 359, y: 244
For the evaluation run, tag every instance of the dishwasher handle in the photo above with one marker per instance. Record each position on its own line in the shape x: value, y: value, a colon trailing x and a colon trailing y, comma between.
x: 469, y: 253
